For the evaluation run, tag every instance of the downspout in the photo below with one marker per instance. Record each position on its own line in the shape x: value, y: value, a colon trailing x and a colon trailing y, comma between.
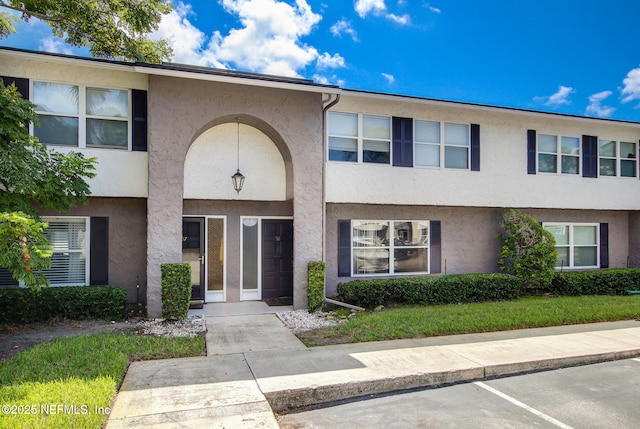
x: 324, y: 169
x: 324, y: 195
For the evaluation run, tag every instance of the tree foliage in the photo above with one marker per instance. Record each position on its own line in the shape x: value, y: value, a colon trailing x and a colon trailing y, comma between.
x: 32, y: 177
x: 527, y: 251
x: 109, y: 28
x: 23, y: 248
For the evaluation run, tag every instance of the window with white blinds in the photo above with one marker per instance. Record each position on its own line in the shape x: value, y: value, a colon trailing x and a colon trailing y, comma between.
x: 69, y: 262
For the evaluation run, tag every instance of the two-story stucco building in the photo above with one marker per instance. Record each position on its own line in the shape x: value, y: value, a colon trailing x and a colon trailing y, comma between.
x: 373, y: 184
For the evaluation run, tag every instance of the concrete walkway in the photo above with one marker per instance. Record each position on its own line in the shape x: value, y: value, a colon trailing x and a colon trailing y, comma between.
x: 256, y: 366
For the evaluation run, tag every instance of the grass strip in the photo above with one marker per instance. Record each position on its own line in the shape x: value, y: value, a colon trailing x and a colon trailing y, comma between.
x: 427, y: 321
x: 71, y: 382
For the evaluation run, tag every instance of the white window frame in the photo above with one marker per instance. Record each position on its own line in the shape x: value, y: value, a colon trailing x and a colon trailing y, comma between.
x: 82, y: 115
x: 442, y: 146
x: 391, y: 247
x: 571, y: 246
x: 85, y: 250
x: 618, y: 159
x: 559, y: 155
x: 361, y: 138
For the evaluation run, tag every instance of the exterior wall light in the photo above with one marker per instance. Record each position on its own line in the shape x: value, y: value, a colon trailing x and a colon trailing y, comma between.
x: 238, y: 178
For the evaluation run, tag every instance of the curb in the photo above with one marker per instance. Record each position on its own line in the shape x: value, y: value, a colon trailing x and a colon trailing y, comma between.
x: 290, y: 399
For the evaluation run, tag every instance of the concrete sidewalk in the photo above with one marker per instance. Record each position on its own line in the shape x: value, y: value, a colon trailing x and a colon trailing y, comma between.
x: 256, y: 366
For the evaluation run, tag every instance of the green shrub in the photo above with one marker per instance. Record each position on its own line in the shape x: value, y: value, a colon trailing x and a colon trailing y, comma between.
x: 615, y: 281
x: 22, y: 305
x: 176, y: 290
x: 527, y: 251
x: 458, y: 288
x: 315, y: 287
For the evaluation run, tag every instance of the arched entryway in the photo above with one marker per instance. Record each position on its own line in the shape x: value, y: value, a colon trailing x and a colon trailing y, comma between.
x: 239, y: 244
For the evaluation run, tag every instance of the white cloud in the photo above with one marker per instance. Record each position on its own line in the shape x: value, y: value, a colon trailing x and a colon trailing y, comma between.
x: 186, y: 40
x: 365, y: 7
x: 558, y: 99
x: 595, y: 106
x: 402, y: 20
x: 379, y: 8
x: 326, y: 61
x: 432, y: 8
x: 268, y: 40
x: 631, y: 90
x: 344, y: 26
x: 389, y: 77
x: 55, y: 45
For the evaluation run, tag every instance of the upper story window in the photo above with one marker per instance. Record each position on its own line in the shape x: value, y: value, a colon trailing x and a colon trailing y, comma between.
x: 359, y: 138
x: 617, y: 158
x: 558, y: 154
x: 79, y: 116
x: 432, y: 150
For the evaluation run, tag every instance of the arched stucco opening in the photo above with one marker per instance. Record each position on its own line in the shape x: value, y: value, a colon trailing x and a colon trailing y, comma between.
x: 243, y: 142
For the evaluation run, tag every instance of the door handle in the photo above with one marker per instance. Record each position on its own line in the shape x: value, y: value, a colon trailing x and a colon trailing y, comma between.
x: 201, y: 259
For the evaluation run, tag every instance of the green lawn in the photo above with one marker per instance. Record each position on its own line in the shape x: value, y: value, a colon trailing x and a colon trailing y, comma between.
x: 71, y: 382
x: 415, y: 322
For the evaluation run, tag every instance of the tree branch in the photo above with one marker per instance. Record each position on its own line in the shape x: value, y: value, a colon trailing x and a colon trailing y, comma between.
x: 31, y: 14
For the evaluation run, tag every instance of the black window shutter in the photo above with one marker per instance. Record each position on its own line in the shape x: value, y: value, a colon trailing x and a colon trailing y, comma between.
x: 99, y: 252
x: 22, y: 85
x: 344, y: 248
x: 435, y: 247
x: 475, y: 147
x: 402, y: 142
x: 531, y: 151
x: 604, y: 245
x: 139, y: 109
x: 589, y: 156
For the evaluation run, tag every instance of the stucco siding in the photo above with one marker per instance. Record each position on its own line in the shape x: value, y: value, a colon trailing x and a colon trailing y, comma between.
x: 502, y: 180
x: 469, y: 239
x: 180, y: 110
x: 127, y: 240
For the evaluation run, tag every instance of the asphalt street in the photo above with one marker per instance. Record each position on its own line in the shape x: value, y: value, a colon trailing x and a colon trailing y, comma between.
x: 598, y: 396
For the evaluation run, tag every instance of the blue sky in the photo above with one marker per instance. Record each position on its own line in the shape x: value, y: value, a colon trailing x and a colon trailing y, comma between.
x: 579, y: 57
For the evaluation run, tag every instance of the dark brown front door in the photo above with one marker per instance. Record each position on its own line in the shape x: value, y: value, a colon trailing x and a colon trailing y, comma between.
x: 277, y: 258
x: 193, y: 253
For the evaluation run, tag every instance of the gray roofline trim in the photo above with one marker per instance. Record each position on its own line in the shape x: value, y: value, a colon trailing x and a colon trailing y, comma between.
x: 279, y: 82
x: 184, y: 71
x: 433, y: 101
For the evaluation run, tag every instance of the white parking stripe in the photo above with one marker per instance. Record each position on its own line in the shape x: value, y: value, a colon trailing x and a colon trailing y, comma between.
x: 523, y: 406
x: 636, y: 359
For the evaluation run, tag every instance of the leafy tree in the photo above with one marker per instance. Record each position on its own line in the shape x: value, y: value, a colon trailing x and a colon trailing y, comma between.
x: 109, y: 28
x: 32, y: 177
x: 527, y: 250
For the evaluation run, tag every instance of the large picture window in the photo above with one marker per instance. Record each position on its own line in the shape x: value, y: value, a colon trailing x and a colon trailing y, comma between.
x: 577, y: 244
x: 79, y: 116
x: 389, y: 247
x: 70, y: 240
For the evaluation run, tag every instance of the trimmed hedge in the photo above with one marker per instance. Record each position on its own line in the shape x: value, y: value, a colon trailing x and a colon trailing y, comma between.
x: 315, y: 288
x: 614, y: 281
x: 448, y: 289
x: 176, y: 290
x: 25, y: 305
